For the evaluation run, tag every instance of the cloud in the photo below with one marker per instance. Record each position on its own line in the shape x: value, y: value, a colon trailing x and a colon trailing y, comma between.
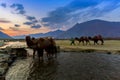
x: 32, y: 21
x: 28, y: 23
x: 32, y: 24
x: 14, y: 28
x: 3, y: 5
x: 106, y: 8
x: 4, y: 21
x: 36, y: 26
x: 78, y: 11
x: 17, y: 25
x: 31, y: 18
x: 19, y: 8
x: 63, y: 14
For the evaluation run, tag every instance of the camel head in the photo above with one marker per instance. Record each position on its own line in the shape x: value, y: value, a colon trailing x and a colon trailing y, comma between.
x: 28, y: 41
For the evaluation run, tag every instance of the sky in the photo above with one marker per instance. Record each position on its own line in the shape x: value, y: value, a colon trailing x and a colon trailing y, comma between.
x: 24, y: 17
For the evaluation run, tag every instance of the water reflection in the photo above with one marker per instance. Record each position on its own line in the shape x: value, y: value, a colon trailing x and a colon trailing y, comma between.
x: 19, y: 70
x: 68, y: 66
x: 45, y: 70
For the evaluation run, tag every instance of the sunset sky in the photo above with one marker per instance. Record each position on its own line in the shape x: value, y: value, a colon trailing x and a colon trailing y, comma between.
x: 22, y: 17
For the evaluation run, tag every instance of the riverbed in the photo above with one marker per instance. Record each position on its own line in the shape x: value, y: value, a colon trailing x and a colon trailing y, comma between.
x: 67, y: 66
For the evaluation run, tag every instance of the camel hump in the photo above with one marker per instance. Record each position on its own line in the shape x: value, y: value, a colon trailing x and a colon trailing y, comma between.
x: 52, y: 41
x: 42, y: 39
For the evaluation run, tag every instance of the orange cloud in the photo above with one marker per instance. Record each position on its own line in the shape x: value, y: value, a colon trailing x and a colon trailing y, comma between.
x: 10, y: 32
x: 25, y: 31
x: 14, y: 33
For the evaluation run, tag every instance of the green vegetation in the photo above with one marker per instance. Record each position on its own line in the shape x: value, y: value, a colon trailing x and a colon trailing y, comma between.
x: 109, y: 46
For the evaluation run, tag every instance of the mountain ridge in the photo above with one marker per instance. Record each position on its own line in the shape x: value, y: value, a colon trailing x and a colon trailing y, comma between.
x: 37, y: 35
x: 4, y: 36
x: 93, y: 27
x: 88, y: 28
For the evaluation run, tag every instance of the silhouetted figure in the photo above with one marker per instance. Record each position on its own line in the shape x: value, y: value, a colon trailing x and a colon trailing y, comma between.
x: 72, y: 41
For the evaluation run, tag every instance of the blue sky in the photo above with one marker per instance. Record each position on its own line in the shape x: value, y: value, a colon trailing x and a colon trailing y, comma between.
x: 22, y: 17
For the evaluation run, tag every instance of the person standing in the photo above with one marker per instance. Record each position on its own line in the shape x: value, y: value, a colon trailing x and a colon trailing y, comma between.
x: 72, y: 41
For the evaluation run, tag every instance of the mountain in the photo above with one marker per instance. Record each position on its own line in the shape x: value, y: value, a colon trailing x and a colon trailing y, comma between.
x: 19, y: 37
x: 50, y: 34
x: 90, y: 28
x: 93, y: 27
x: 4, y: 36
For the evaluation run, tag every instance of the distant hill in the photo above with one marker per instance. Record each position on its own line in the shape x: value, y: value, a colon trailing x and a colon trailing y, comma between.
x: 19, y: 37
x: 50, y: 34
x: 93, y: 27
x: 4, y: 36
x: 90, y: 28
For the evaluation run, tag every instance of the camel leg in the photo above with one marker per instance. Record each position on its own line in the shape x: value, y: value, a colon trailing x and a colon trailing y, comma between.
x: 34, y: 53
x: 86, y: 42
x: 40, y: 54
x: 89, y: 42
x: 79, y: 42
x: 55, y: 51
x: 48, y: 55
x: 95, y: 42
x: 48, y: 52
x: 83, y: 43
x: 102, y: 41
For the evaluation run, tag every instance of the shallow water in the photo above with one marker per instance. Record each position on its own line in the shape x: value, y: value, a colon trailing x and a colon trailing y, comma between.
x: 67, y: 66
